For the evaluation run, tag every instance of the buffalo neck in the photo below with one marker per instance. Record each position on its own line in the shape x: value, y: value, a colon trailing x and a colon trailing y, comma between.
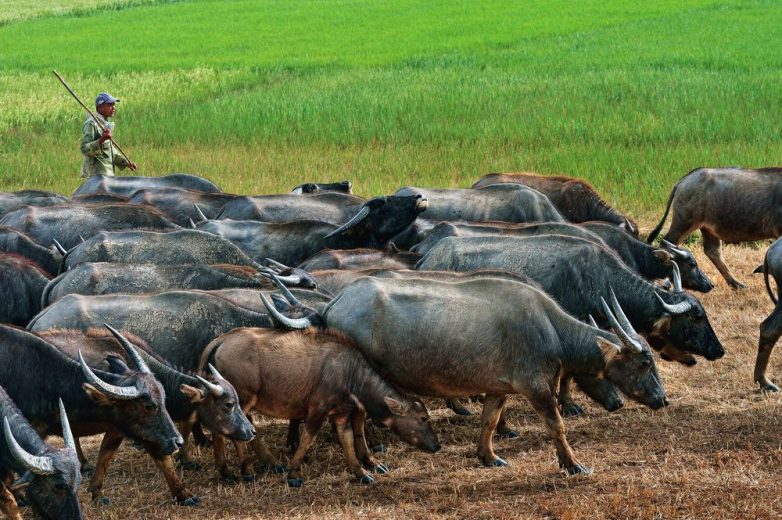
x: 580, y: 351
x: 367, y: 385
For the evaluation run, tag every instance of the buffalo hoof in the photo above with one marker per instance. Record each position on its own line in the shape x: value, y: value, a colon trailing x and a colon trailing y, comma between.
x: 367, y: 479
x: 295, y: 482
x: 572, y: 410
x: 192, y: 465
x: 461, y: 410
x: 578, y: 469
x: 103, y: 501
x: 508, y: 434
x: 279, y: 468
x: 735, y: 284
x: 21, y: 502
x: 380, y: 448
x: 382, y: 469
x: 249, y: 478
x: 229, y: 479
x: 495, y: 463
x: 191, y: 502
x: 769, y: 387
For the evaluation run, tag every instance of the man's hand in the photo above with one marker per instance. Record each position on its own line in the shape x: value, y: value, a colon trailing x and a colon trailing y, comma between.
x: 132, y: 166
x: 105, y: 136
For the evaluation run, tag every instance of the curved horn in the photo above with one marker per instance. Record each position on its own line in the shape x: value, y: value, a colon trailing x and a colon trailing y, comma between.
x: 118, y: 392
x: 285, y: 291
x: 130, y: 349
x: 216, y: 390
x: 620, y: 315
x: 192, y: 224
x: 593, y: 322
x: 59, y: 247
x: 34, y: 463
x: 674, y: 309
x: 67, y: 434
x: 214, y: 372
x: 275, y: 263
x: 676, y: 249
x: 676, y: 278
x: 200, y: 213
x: 358, y: 217
x: 626, y: 340
x: 284, y: 321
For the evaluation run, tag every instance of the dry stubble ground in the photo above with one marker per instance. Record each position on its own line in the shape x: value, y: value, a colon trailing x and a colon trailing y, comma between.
x: 715, y: 452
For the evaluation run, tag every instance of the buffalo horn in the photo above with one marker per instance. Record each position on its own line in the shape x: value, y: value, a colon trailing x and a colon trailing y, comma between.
x: 200, y: 213
x: 593, y: 322
x: 676, y: 278
x: 278, y: 281
x: 620, y: 315
x: 284, y: 321
x: 118, y: 392
x: 676, y: 308
x: 67, y: 434
x: 275, y: 263
x: 130, y: 349
x: 683, y: 253
x: 216, y: 390
x: 269, y: 273
x: 361, y: 215
x: 193, y: 224
x: 38, y: 465
x: 627, y: 341
x: 214, y: 372
x: 59, y: 247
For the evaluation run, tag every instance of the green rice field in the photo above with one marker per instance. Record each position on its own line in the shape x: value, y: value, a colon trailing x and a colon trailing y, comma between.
x: 261, y: 95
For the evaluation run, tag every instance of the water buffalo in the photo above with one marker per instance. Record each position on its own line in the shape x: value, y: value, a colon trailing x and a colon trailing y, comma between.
x: 19, y: 199
x: 726, y: 204
x: 111, y: 278
x: 70, y: 224
x: 575, y: 199
x: 127, y: 404
x: 332, y: 207
x: 491, y: 336
x: 147, y: 247
x: 309, y: 188
x: 361, y: 258
x: 502, y: 202
x: 312, y: 376
x: 14, y: 241
x: 181, y: 205
x: 127, y: 184
x: 575, y: 272
x: 22, y: 283
x: 771, y: 328
x: 52, y: 489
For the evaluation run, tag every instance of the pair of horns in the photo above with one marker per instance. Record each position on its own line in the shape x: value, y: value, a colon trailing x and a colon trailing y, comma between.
x: 275, y: 269
x: 620, y: 324
x: 675, y: 308
x: 39, y: 464
x: 216, y: 390
x: 678, y: 251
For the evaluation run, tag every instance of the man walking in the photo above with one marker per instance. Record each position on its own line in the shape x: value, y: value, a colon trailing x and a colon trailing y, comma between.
x: 100, y: 155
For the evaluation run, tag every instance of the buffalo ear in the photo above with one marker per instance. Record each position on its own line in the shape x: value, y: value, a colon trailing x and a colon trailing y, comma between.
x: 117, y: 364
x: 195, y: 395
x: 97, y: 396
x: 663, y: 255
x: 396, y: 407
x: 609, y: 349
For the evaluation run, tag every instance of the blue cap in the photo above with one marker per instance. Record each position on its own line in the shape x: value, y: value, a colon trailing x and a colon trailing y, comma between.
x: 105, y: 97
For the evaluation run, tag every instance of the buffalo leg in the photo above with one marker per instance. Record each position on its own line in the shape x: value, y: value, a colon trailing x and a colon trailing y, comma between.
x: 293, y: 434
x: 546, y: 406
x: 345, y: 436
x: 711, y: 246
x: 86, y: 467
x: 567, y: 405
x: 358, y: 422
x: 770, y: 331
x: 306, y: 439
x: 184, y: 453
x: 8, y: 503
x: 455, y: 404
x: 108, y: 448
x: 221, y: 465
x: 166, y: 465
x: 492, y: 409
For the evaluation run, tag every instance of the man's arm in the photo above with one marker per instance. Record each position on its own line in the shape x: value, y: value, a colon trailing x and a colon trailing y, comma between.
x: 92, y: 140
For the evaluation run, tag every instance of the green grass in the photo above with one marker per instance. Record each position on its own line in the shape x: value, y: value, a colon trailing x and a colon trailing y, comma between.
x: 259, y: 96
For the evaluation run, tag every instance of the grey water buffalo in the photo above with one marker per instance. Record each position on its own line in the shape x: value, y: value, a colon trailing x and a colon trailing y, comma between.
x: 177, y: 325
x: 575, y: 272
x: 70, y: 224
x: 771, y: 328
x: 181, y: 205
x: 16, y: 242
x: 111, y: 278
x: 52, y: 490
x: 450, y: 339
x: 127, y: 404
x: 21, y: 284
x: 502, y: 202
x: 147, y: 247
x: 575, y: 199
x: 127, y: 184
x: 331, y: 380
x: 332, y: 207
x: 212, y: 402
x: 361, y: 258
x: 19, y: 199
x: 309, y: 188
x: 727, y: 204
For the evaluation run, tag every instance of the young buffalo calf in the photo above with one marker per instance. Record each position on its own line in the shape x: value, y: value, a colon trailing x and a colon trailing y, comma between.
x: 313, y: 376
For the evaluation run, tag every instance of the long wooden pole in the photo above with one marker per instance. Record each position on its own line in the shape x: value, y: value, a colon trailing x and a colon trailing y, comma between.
x: 97, y: 121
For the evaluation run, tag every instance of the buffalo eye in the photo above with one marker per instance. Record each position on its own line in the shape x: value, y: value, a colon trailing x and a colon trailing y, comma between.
x: 229, y: 405
x: 150, y: 407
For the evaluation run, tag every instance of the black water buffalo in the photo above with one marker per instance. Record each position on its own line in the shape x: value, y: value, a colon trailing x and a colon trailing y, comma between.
x: 127, y: 404
x: 21, y: 284
x: 492, y: 336
x: 726, y: 204
x: 146, y: 247
x: 771, y: 328
x: 127, y: 184
x: 181, y: 205
x: 575, y: 272
x: 52, y: 490
x: 501, y: 202
x: 69, y: 224
x: 361, y: 258
x: 332, y: 207
x: 16, y: 242
x: 111, y: 278
x: 575, y: 199
x: 19, y: 199
x: 308, y: 188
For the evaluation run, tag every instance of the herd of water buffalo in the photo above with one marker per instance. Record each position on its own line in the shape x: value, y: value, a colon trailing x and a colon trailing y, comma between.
x: 150, y: 301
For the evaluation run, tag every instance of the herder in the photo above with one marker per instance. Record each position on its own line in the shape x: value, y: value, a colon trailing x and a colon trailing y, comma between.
x: 100, y: 155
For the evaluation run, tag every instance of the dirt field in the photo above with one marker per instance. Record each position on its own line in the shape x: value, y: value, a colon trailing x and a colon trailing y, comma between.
x: 715, y: 452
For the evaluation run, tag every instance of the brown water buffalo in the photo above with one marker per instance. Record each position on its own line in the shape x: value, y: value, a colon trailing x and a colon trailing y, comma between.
x: 771, y: 328
x: 727, y: 204
x: 575, y: 199
x: 313, y: 376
